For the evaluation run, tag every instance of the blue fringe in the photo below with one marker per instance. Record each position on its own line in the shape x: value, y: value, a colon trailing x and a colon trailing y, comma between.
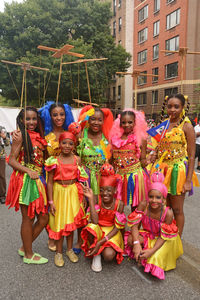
x: 130, y: 188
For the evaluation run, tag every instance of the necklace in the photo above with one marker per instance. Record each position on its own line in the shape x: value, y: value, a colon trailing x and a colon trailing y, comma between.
x: 108, y: 207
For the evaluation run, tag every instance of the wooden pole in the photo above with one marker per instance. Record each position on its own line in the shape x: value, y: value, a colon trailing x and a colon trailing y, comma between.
x: 88, y: 83
x: 60, y: 72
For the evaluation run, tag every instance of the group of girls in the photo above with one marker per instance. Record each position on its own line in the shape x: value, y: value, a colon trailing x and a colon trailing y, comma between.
x: 93, y: 171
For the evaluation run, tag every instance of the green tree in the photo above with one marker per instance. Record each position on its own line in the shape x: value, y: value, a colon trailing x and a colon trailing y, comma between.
x: 82, y: 23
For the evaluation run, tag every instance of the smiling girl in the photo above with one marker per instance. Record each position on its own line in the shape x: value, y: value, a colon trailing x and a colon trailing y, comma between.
x: 176, y: 155
x: 27, y: 189
x: 65, y: 197
x: 157, y: 245
x: 128, y: 139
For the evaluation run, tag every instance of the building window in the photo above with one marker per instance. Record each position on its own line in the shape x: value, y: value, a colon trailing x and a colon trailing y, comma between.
x: 171, y: 70
x: 114, y: 93
x: 143, y: 14
x: 142, y: 99
x: 119, y: 92
x: 172, y: 91
x: 170, y: 1
x: 156, y: 28
x: 119, y: 42
x: 120, y: 24
x: 142, y: 57
x: 156, y: 5
x: 142, y: 35
x: 156, y: 51
x: 114, y: 7
x: 172, y: 44
x: 120, y: 3
x: 142, y: 79
x: 173, y: 19
x: 154, y: 97
x: 155, y: 72
x: 114, y: 28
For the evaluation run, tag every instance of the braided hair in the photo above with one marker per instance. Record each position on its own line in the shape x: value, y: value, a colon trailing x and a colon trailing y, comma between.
x: 26, y: 140
x: 163, y: 108
x: 127, y: 112
x: 182, y: 98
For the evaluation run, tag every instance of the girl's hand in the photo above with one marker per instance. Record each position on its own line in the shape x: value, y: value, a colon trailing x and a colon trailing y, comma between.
x: 16, y: 135
x: 52, y: 209
x: 32, y: 174
x: 137, y: 249
x: 87, y: 191
x: 144, y: 162
x: 187, y: 187
x: 94, y: 250
x: 84, y: 203
x: 146, y: 253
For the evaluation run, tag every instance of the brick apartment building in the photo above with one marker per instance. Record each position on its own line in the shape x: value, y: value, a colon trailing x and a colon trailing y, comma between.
x: 166, y: 25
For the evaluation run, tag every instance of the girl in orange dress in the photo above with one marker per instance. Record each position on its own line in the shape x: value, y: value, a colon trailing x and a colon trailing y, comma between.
x: 65, y: 195
x: 103, y: 235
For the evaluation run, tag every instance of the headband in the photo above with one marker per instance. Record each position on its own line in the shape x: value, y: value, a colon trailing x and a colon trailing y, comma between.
x: 67, y: 135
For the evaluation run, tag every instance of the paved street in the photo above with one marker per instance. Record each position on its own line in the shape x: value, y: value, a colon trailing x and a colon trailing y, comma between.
x: 78, y: 281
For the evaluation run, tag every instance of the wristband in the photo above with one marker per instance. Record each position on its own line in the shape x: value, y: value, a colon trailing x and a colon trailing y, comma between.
x: 106, y: 237
x: 50, y: 202
x: 135, y: 242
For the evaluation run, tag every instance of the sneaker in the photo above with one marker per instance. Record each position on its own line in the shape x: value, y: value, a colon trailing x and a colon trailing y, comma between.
x: 198, y: 168
x: 58, y: 260
x: 72, y: 256
x: 96, y: 263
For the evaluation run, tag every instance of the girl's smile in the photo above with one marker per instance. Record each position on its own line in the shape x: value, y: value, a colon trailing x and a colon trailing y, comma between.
x: 107, y: 193
x: 174, y: 108
x: 96, y: 121
x: 155, y: 199
x: 127, y: 122
x: 31, y: 120
x: 58, y: 116
x: 66, y: 146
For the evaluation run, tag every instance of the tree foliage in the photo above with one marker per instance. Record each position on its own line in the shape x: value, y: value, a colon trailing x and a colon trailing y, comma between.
x: 82, y: 23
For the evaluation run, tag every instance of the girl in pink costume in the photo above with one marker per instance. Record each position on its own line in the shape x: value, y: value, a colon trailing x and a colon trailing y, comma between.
x: 157, y: 245
x: 128, y: 139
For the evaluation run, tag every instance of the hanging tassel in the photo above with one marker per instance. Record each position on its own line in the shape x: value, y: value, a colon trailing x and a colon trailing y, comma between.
x: 130, y: 189
x: 173, y: 184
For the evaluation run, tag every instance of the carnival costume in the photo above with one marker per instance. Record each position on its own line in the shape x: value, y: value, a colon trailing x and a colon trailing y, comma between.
x: 93, y: 157
x: 163, y: 259
x: 24, y: 190
x: 173, y: 160
x: 107, y: 220
x: 68, y: 199
x: 126, y: 160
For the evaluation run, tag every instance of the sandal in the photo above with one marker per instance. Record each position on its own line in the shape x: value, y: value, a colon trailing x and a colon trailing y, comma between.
x: 21, y: 253
x: 77, y: 250
x: 31, y: 260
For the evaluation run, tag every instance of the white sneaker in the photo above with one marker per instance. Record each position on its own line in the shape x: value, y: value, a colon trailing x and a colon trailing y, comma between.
x: 96, y: 263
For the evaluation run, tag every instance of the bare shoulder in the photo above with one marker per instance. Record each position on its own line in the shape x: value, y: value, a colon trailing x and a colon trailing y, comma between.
x: 187, y: 127
x: 121, y: 207
x: 169, y: 216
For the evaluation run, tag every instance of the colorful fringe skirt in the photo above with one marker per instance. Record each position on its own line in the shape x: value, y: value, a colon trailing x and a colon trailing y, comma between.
x: 98, y: 232
x: 175, y: 173
x: 135, y: 185
x: 26, y: 191
x: 164, y: 259
x: 69, y: 214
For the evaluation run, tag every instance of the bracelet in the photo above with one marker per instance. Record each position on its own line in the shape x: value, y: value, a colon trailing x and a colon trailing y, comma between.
x: 106, y: 237
x: 50, y: 202
x: 135, y: 242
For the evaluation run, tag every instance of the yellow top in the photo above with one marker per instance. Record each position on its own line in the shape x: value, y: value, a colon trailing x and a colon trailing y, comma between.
x: 52, y: 144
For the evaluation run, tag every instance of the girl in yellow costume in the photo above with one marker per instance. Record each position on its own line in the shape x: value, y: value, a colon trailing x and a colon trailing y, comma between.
x: 65, y: 197
x: 157, y: 245
x: 56, y: 118
x: 102, y: 235
x: 176, y: 155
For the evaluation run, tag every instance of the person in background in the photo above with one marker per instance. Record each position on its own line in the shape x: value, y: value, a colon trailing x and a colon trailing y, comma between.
x: 197, y: 135
x: 4, y: 141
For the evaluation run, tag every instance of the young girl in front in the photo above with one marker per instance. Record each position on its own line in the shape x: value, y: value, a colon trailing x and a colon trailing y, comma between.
x: 27, y: 187
x: 102, y: 235
x: 65, y: 195
x: 176, y: 155
x: 157, y: 245
x: 128, y: 139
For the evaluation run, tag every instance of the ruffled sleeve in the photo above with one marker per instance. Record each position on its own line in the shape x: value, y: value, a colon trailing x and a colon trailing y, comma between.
x: 97, y: 208
x: 51, y: 163
x: 82, y: 175
x: 135, y: 217
x: 120, y: 220
x: 169, y: 231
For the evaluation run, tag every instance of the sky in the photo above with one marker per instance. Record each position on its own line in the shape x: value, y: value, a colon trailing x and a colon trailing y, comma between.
x: 8, y: 1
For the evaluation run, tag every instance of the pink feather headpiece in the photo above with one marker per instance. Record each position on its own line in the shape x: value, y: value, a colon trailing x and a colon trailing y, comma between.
x: 140, y: 128
x: 157, y: 180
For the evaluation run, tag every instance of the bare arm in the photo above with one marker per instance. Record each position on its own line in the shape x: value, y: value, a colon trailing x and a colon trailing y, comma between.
x: 143, y: 153
x: 190, y: 137
x: 89, y: 194
x: 50, y: 191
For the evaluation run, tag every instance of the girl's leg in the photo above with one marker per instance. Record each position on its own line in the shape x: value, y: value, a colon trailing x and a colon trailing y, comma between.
x: 39, y: 225
x: 58, y: 259
x: 70, y: 241
x: 176, y: 203
x: 109, y: 254
x: 27, y: 233
x: 70, y: 253
x: 79, y: 241
x: 59, y: 245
